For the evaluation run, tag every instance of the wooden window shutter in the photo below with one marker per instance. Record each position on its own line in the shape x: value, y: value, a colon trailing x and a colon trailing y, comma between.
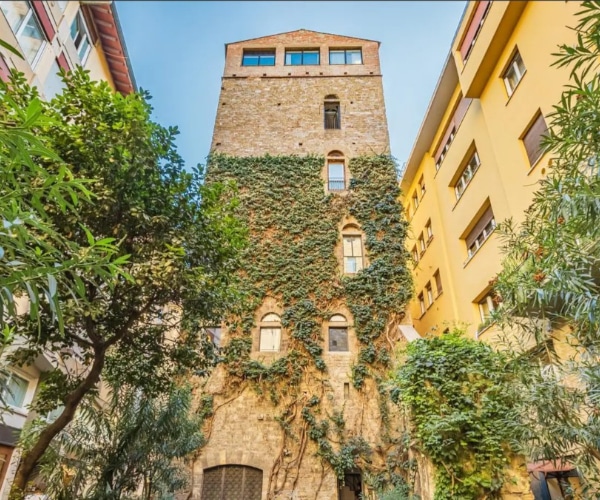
x: 481, y: 223
x: 533, y: 137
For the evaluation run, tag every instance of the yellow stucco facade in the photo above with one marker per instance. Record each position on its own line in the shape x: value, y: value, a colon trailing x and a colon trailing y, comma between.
x: 475, y: 160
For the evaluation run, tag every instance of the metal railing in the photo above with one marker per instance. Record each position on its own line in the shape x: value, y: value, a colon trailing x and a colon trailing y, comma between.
x: 336, y: 184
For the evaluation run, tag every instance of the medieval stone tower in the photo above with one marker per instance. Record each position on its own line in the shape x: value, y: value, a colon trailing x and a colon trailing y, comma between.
x: 298, y: 406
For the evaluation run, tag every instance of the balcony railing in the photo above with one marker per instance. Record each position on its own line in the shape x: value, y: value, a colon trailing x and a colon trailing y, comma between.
x: 335, y: 184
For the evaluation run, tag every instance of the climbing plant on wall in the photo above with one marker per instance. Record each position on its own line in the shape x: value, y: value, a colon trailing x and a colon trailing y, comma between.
x: 294, y: 227
x: 462, y: 403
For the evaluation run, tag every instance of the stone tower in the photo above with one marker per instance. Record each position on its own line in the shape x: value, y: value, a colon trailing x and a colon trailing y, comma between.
x: 298, y: 406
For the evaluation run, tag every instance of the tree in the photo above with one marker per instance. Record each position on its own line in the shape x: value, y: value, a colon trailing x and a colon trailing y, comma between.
x: 551, y: 270
x: 108, y: 451
x: 34, y: 257
x: 182, y: 239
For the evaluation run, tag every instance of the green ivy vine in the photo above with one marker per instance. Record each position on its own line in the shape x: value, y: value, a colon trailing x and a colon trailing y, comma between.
x: 462, y: 404
x: 294, y: 227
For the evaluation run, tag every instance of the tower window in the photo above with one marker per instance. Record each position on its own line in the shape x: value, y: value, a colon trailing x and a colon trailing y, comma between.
x: 338, y: 334
x: 332, y: 113
x: 259, y: 57
x: 270, y: 333
x: 302, y: 57
x: 345, y: 56
x: 353, y: 254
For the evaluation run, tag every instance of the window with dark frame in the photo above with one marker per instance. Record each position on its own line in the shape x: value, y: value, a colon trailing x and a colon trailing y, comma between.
x: 422, y: 244
x: 422, y: 186
x: 332, y: 115
x: 415, y: 254
x: 428, y: 231
x: 338, y: 339
x: 264, y: 57
x: 345, y: 56
x: 532, y: 139
x: 309, y: 57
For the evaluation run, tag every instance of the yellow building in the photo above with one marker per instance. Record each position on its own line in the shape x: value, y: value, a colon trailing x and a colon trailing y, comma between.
x: 52, y: 35
x: 477, y: 161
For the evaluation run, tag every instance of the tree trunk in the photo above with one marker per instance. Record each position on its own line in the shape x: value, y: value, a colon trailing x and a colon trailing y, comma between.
x: 31, y: 458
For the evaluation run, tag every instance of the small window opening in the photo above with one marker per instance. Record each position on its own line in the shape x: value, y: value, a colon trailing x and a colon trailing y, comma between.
x: 332, y: 113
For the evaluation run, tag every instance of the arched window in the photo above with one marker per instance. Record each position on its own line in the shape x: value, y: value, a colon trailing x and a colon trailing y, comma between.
x: 352, y: 249
x: 270, y: 333
x: 232, y: 481
x: 332, y: 112
x: 338, y: 333
x: 336, y: 171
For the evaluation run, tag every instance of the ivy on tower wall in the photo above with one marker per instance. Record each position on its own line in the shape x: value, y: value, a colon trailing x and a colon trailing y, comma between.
x: 294, y: 228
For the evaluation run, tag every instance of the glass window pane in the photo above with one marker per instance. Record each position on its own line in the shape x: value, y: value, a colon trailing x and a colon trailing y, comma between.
x: 15, y: 13
x: 337, y: 57
x: 15, y: 390
x: 336, y: 171
x: 311, y: 57
x: 31, y: 39
x: 54, y: 83
x: 350, y: 265
x: 356, y: 246
x: 338, y: 339
x: 353, y: 57
x: 288, y: 58
x: 267, y: 60
x: 250, y: 60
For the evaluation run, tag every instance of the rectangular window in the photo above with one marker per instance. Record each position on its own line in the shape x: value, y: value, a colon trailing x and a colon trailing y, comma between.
x: 345, y: 56
x: 62, y: 4
x: 81, y: 37
x: 532, y: 139
x: 302, y: 57
x: 513, y: 74
x: 422, y: 186
x: 466, y: 175
x: 270, y: 339
x: 438, y: 283
x: 422, y: 244
x: 445, y: 148
x: 428, y: 231
x: 332, y: 115
x: 462, y: 106
x: 214, y: 332
x: 353, y: 254
x: 486, y: 307
x: 259, y: 57
x: 415, y: 254
x: 338, y: 339
x: 14, y: 389
x: 26, y: 27
x: 422, y: 304
x: 481, y: 232
x: 429, y: 292
x: 335, y: 176
x: 415, y: 200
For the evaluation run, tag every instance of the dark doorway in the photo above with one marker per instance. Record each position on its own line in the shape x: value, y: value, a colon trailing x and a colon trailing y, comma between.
x: 351, y: 487
x: 232, y: 482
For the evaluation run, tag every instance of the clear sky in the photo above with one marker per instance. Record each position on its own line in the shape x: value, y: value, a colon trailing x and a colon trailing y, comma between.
x: 177, y: 50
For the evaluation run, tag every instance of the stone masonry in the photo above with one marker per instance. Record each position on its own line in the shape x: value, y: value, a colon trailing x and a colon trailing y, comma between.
x: 279, y: 110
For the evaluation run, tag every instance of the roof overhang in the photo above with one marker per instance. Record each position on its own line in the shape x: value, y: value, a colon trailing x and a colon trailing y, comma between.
x: 111, y: 37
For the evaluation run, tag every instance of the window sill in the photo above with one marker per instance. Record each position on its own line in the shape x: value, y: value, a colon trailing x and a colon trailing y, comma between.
x: 535, y: 164
x: 484, y: 329
x: 428, y: 242
x: 480, y: 247
x: 438, y: 295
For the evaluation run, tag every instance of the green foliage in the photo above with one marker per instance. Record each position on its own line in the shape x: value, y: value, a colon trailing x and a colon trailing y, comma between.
x: 181, y: 237
x: 37, y: 260
x: 551, y: 271
x: 108, y: 452
x: 294, y: 227
x: 460, y: 399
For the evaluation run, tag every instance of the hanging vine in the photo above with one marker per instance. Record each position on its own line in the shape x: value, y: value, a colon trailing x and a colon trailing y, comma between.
x: 293, y: 232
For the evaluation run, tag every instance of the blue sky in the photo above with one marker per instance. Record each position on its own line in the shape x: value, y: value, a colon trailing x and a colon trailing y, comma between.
x: 177, y: 52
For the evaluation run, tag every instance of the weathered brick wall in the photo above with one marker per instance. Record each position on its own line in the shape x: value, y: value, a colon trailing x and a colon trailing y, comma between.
x: 279, y: 109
